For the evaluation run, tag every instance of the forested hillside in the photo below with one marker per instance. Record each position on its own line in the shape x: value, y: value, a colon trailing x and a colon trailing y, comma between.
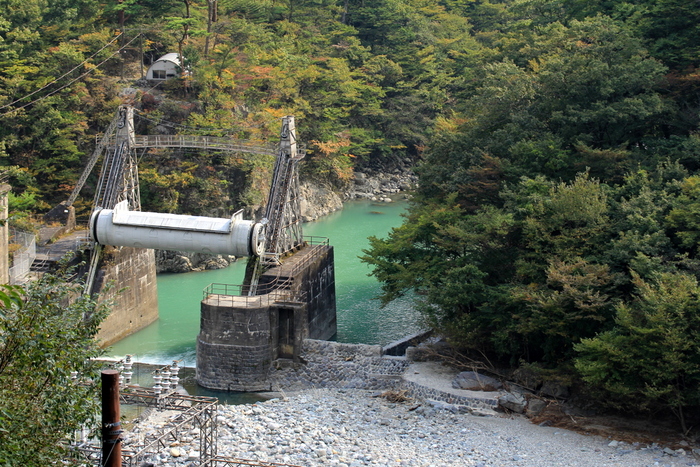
x: 557, y: 220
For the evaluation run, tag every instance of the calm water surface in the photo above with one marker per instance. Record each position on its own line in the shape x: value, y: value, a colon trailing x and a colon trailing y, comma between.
x: 360, y: 319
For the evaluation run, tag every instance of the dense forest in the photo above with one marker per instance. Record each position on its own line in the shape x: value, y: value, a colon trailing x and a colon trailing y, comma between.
x: 557, y: 218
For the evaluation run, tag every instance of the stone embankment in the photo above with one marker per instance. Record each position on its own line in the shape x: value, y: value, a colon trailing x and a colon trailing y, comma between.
x: 349, y: 406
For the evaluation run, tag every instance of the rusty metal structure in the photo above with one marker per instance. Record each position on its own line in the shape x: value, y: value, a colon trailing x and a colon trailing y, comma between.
x: 195, y: 411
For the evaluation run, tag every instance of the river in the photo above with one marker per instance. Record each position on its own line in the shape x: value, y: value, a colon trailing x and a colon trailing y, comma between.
x: 360, y: 318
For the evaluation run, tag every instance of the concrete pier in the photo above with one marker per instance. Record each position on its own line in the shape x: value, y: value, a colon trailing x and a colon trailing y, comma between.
x: 241, y: 337
x: 133, y: 271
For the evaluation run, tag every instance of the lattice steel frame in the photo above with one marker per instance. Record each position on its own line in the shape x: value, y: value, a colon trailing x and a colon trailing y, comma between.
x: 197, y: 410
x: 283, y: 212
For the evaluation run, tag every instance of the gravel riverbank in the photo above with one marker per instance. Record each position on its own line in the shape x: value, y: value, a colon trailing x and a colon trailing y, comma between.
x: 353, y: 428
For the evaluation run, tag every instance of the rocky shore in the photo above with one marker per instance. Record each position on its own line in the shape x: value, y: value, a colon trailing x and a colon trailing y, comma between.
x: 353, y: 428
x: 350, y: 406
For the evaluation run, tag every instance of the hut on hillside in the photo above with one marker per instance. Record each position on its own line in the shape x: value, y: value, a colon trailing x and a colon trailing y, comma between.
x: 166, y: 67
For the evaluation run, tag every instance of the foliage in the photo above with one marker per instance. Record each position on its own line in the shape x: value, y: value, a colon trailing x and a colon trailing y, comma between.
x: 566, y: 272
x: 46, y: 332
x: 651, y: 359
x: 556, y: 141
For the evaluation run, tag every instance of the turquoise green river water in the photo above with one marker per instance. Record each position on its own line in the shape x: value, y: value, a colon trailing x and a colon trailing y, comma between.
x: 360, y: 318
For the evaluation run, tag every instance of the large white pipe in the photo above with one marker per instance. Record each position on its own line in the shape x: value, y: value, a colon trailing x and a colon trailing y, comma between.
x: 121, y: 227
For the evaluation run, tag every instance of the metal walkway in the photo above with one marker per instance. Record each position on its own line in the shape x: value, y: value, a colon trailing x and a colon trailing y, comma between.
x: 210, y: 143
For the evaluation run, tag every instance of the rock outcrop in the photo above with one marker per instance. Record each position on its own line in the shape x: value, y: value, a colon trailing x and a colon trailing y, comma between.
x: 317, y: 201
x: 184, y: 261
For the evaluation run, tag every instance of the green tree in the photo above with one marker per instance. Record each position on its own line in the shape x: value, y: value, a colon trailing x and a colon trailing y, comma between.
x: 46, y: 333
x: 685, y: 217
x: 651, y: 359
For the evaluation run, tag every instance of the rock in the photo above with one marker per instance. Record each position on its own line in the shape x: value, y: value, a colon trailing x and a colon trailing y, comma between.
x: 535, y: 407
x: 527, y: 378
x: 513, y: 402
x: 175, y: 452
x: 442, y: 405
x: 555, y: 388
x: 474, y: 381
x: 183, y: 261
x: 317, y: 201
x: 215, y: 263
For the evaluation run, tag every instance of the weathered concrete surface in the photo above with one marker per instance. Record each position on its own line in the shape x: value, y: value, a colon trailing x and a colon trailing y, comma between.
x: 233, y: 346
x: 240, y: 337
x: 134, y: 270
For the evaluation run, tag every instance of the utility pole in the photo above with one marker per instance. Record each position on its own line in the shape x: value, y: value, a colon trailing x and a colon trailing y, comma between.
x: 111, y: 432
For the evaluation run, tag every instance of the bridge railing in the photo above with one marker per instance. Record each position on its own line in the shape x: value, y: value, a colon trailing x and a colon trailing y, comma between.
x: 195, y: 141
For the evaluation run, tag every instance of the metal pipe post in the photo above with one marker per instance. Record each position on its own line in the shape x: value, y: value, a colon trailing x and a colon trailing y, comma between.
x: 111, y: 425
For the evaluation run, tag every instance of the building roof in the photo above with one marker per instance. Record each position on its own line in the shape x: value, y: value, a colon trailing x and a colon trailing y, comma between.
x: 171, y: 57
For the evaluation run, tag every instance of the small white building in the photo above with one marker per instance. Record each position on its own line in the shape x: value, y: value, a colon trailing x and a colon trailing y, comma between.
x: 166, y: 67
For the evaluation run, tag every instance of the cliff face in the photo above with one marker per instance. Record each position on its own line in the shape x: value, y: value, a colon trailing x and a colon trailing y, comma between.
x: 185, y: 261
x: 317, y: 201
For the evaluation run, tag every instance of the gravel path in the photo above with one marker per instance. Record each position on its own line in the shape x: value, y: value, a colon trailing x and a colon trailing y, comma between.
x: 353, y: 428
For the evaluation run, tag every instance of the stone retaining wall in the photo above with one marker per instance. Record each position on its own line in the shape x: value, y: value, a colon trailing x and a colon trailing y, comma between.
x: 424, y: 393
x: 328, y: 364
x: 358, y: 366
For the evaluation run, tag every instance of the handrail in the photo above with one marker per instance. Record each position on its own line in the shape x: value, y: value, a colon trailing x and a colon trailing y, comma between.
x: 196, y: 141
x: 271, y: 292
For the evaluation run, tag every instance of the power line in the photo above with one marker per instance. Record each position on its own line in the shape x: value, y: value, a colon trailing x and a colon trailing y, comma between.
x: 64, y: 75
x: 69, y: 83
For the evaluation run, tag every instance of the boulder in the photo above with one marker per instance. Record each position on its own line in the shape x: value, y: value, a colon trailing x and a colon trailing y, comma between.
x: 513, y: 402
x: 474, y: 381
x: 555, y: 388
x: 535, y: 407
x: 527, y: 378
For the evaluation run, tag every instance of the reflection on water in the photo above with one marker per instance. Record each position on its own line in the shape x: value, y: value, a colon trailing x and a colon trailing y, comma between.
x: 360, y: 318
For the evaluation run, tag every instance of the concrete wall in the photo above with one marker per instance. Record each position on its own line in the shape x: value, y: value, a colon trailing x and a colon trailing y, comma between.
x: 240, y: 337
x: 317, y: 283
x: 234, y: 348
x: 312, y: 275
x: 134, y: 270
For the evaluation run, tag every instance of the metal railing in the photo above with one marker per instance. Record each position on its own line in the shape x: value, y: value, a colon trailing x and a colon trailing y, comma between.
x: 214, y: 143
x: 23, y: 258
x: 280, y: 290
